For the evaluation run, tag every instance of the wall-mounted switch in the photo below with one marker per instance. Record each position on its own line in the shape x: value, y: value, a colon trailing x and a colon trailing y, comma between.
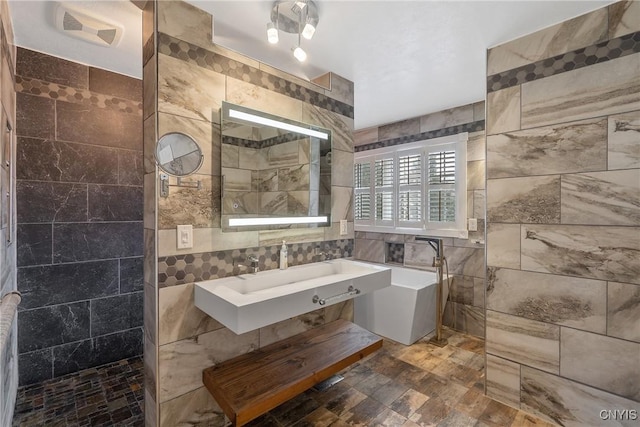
x: 185, y: 236
x: 344, y: 230
x: 473, y: 224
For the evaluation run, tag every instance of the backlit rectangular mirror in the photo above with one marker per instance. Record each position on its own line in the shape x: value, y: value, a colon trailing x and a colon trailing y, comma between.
x: 276, y: 173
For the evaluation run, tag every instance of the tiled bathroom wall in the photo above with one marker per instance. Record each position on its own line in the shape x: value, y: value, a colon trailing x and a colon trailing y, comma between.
x: 79, y: 211
x: 464, y: 310
x: 563, y: 236
x: 186, y: 77
x: 9, y: 354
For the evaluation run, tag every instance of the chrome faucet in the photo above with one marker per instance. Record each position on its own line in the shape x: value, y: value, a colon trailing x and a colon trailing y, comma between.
x: 325, y: 255
x: 252, y: 264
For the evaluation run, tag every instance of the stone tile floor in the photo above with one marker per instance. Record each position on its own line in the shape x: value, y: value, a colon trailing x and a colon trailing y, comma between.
x: 419, y: 385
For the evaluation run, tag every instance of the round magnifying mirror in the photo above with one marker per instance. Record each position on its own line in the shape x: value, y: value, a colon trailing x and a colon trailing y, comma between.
x: 178, y: 154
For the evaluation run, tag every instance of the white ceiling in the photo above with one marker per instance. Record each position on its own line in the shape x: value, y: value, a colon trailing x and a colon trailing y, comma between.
x: 407, y: 58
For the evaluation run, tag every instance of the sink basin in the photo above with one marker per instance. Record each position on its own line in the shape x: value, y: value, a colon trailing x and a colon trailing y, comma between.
x: 250, y: 301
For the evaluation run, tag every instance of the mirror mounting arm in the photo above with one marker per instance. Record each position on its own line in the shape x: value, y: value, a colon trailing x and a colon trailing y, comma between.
x: 164, y: 184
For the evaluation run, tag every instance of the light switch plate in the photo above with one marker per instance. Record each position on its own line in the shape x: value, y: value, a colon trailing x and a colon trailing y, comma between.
x: 185, y: 236
x: 473, y: 224
x: 344, y: 230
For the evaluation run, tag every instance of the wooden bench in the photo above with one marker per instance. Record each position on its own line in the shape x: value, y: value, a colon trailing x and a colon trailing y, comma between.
x: 250, y: 385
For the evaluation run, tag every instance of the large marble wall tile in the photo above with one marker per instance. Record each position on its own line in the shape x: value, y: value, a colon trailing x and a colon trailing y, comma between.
x: 299, y: 203
x: 566, y: 148
x: 237, y: 179
x: 370, y: 250
x: 151, y: 313
x: 623, y: 311
x: 181, y: 363
x: 242, y: 202
x: 333, y: 232
x: 476, y: 147
x: 188, y: 90
x: 55, y: 284
x: 597, y: 252
x: 503, y: 380
x: 51, y: 202
x: 605, y: 198
x: 151, y: 409
x: 461, y: 289
x: 178, y: 317
x: 398, y: 129
x: 503, y: 245
x: 294, y: 178
x: 45, y: 67
x: 206, y: 240
x: 417, y: 255
x: 114, y: 84
x: 116, y: 313
x: 447, y: 118
x: 34, y: 245
x: 88, y: 241
x: 197, y: 407
x: 131, y: 274
x: 115, y: 203
x: 465, y: 318
x: 149, y: 144
x: 476, y: 175
x: 524, y: 341
x: 130, y: 167
x: 36, y: 366
x: 568, y: 301
x: 342, y: 168
x: 479, y: 204
x: 624, y: 18
x: 607, y: 363
x: 207, y: 136
x: 341, y: 203
x: 258, y: 98
x: 277, y: 203
x: 465, y: 261
x: 149, y: 88
x: 563, y: 97
x: 150, y: 365
x: 198, y: 207
x: 230, y: 156
x: 185, y: 22
x: 287, y: 154
x: 341, y: 310
x: 567, y: 403
x: 366, y: 136
x: 524, y: 200
x: 294, y: 235
x: 503, y: 110
x: 35, y: 116
x: 624, y: 150
x: 288, y: 328
x: 573, y: 34
x: 49, y: 326
x: 342, y: 137
x: 251, y: 158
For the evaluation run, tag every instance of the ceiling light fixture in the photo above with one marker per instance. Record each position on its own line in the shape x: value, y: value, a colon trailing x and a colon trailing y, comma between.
x: 298, y: 17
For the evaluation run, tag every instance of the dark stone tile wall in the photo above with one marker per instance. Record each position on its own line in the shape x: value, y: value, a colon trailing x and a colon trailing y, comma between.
x: 79, y: 213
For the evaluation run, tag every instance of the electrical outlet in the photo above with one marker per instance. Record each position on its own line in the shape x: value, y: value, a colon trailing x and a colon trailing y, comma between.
x: 473, y: 224
x: 344, y: 230
x: 185, y: 236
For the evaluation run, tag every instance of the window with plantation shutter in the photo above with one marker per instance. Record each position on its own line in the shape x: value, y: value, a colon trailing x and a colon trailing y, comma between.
x: 416, y: 188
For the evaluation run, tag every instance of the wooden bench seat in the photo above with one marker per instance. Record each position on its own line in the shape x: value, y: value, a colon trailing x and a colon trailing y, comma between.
x: 250, y: 385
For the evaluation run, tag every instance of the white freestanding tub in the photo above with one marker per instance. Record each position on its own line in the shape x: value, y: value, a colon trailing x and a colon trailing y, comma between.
x: 403, y: 312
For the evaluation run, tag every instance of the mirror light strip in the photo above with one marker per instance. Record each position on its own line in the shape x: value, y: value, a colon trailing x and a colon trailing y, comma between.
x: 276, y: 124
x: 238, y: 222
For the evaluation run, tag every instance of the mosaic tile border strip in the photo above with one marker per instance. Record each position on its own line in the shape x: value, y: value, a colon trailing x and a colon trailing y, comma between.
x: 193, y: 54
x: 395, y: 252
x: 584, y: 57
x: 76, y: 96
x: 179, y: 269
x: 453, y: 130
x: 270, y: 142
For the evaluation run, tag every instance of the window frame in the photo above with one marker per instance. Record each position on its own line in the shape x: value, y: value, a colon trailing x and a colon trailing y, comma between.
x: 456, y: 229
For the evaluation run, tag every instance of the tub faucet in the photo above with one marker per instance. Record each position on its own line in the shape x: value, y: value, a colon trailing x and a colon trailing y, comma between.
x: 251, y: 264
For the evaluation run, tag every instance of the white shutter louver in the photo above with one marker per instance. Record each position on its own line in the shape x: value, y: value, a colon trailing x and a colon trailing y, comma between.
x: 384, y: 180
x: 441, y: 175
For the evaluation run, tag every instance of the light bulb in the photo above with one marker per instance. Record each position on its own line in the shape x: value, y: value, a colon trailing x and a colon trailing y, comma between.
x: 308, y: 31
x: 300, y: 54
x: 272, y: 33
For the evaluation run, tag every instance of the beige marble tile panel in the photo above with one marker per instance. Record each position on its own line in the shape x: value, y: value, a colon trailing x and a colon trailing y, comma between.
x: 624, y: 134
x: 287, y: 154
x: 479, y: 288
x: 274, y: 203
x: 565, y: 148
x: 418, y: 255
x: 333, y: 232
x: 503, y: 110
x: 465, y: 261
x: 398, y: 129
x: 230, y: 156
x: 342, y: 168
x: 185, y: 205
x: 182, y: 362
x: 524, y: 200
x: 567, y: 403
x: 607, y: 363
x: 476, y: 147
x: 295, y: 235
x: 196, y: 407
x: 369, y: 250
x: 604, y: 198
x: 290, y: 327
x: 289, y: 77
x: 258, y: 98
x: 585, y: 30
x: 609, y: 87
x: 479, y: 204
x: 149, y: 88
x: 623, y: 311
x: 341, y: 203
x: 503, y: 245
x: 207, y: 136
x: 567, y: 301
x: 252, y: 158
x: 186, y: 22
x: 341, y: 127
x: 150, y: 313
x: 151, y: 410
x: 150, y: 261
x: 149, y: 144
x: 476, y: 175
x: 624, y: 18
x: 206, y: 240
x: 150, y: 365
x: 503, y: 380
x: 188, y: 90
x: 179, y: 318
x: 524, y: 341
x: 366, y: 136
x: 478, y: 111
x: 596, y: 252
x: 341, y: 310
x: 237, y: 179
x: 149, y: 200
x: 238, y: 203
x: 340, y: 89
x: 447, y: 118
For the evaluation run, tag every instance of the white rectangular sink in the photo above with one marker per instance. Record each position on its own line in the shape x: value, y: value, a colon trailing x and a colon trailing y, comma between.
x: 250, y: 301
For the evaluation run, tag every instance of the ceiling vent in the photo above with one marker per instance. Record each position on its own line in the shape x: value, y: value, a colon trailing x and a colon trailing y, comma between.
x: 87, y: 26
